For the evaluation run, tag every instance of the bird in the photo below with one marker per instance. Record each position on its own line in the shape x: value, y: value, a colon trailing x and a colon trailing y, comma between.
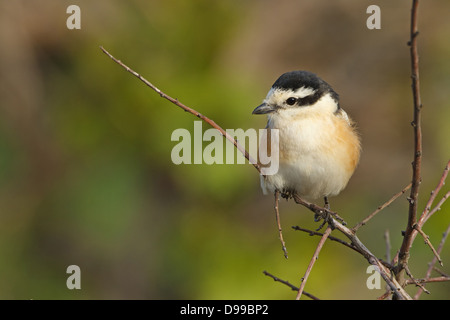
x: 319, y: 145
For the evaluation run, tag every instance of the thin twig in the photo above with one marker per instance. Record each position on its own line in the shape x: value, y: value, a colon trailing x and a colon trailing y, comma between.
x: 395, y: 287
x: 427, y: 280
x: 280, y: 232
x: 442, y: 273
x: 436, y: 190
x: 188, y: 109
x: 393, y: 284
x: 349, y: 245
x: 384, y: 295
x: 427, y: 241
x: 313, y: 260
x: 417, y: 162
x: 290, y: 285
x: 438, y: 206
x: 413, y: 280
x: 387, y: 240
x: 431, y: 265
x: 427, y: 213
x: 384, y: 205
x: 315, y: 233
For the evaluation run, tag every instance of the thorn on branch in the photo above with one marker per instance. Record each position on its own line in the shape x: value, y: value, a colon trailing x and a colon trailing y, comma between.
x: 381, y: 207
x: 313, y: 260
x: 427, y: 242
x: 417, y: 283
x: 294, y: 288
x: 280, y: 231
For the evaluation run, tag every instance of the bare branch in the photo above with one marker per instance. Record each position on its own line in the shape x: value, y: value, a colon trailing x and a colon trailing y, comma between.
x: 315, y: 233
x: 435, y: 192
x: 413, y: 280
x: 327, y: 214
x: 427, y: 241
x: 280, y: 232
x: 433, y: 262
x: 395, y: 287
x: 313, y: 260
x: 387, y: 240
x: 384, y: 295
x: 442, y: 273
x: 294, y: 288
x: 438, y: 206
x: 427, y: 213
x: 384, y: 205
x: 427, y: 280
x: 186, y: 108
x: 417, y: 162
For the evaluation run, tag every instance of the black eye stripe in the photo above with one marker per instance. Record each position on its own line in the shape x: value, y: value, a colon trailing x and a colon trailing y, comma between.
x: 305, y: 101
x: 309, y: 100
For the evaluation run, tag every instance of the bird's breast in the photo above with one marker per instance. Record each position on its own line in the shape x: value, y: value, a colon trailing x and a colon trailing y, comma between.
x: 317, y: 154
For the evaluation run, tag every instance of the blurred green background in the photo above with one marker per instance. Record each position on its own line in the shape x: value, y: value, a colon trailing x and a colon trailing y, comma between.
x: 86, y: 176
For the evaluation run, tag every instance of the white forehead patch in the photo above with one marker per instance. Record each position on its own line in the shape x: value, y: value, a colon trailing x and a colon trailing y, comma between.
x: 277, y: 95
x: 304, y: 92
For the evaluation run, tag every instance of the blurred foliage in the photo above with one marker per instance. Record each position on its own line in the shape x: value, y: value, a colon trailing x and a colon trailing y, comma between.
x: 86, y: 176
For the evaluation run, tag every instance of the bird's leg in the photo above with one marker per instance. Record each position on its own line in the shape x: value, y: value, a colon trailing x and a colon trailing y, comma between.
x: 327, y: 203
x: 326, y: 215
x: 287, y: 194
x: 280, y: 232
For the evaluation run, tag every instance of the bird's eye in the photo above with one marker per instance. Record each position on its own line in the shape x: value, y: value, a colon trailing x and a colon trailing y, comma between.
x: 291, y: 101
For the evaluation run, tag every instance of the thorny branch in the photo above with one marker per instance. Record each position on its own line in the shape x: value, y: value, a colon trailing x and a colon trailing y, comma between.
x: 315, y: 233
x: 385, y: 273
x: 187, y: 109
x: 280, y: 232
x: 383, y: 206
x: 313, y: 260
x: 433, y: 262
x: 416, y: 165
x: 290, y: 285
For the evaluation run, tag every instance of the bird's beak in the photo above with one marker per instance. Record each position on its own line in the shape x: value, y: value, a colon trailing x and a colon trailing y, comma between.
x: 263, y: 109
